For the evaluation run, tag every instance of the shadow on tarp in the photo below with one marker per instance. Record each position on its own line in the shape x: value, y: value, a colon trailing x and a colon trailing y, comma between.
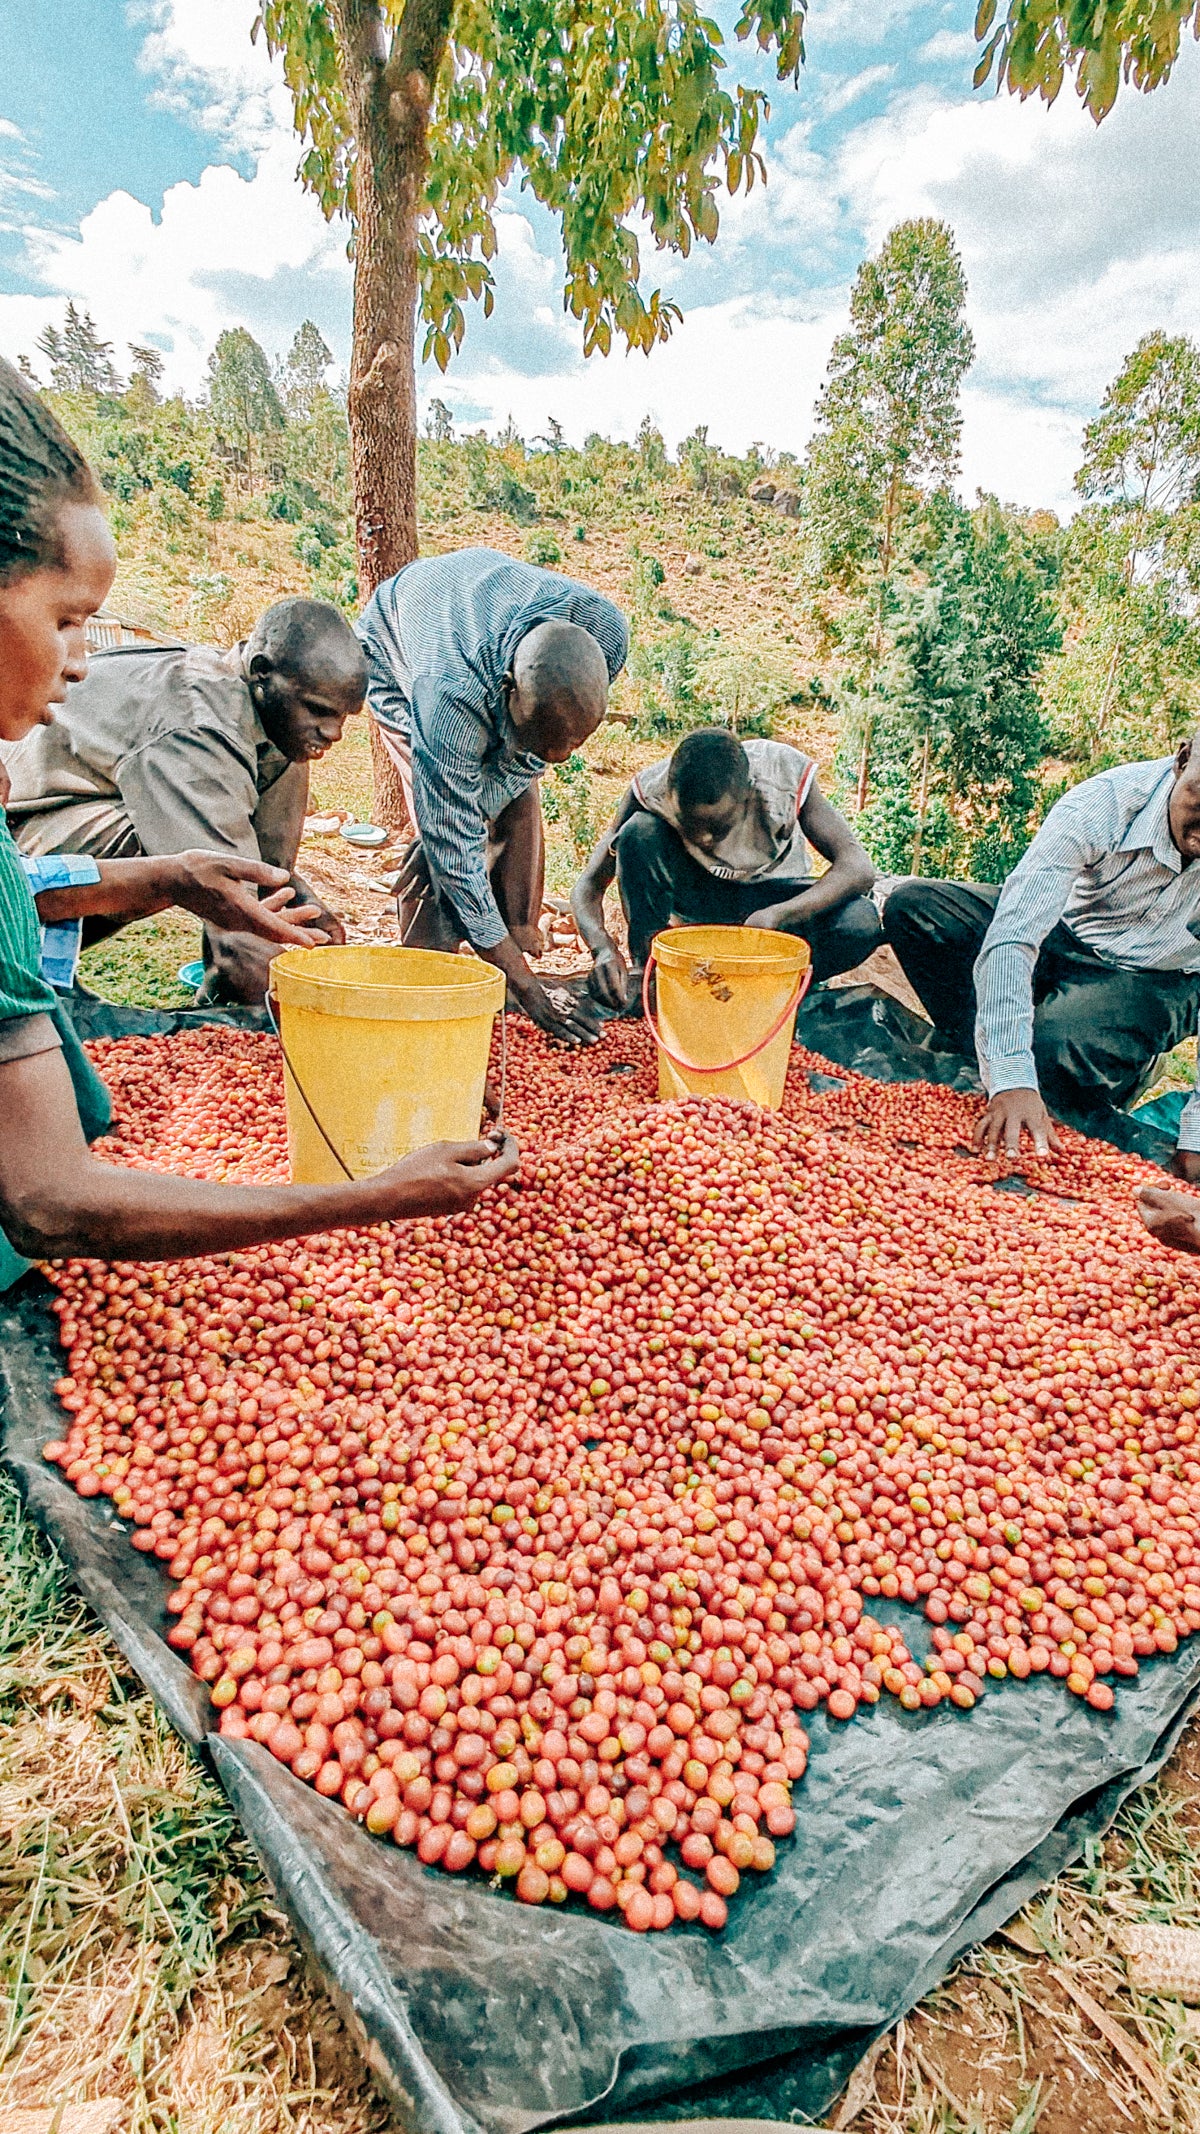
x: 918, y: 1835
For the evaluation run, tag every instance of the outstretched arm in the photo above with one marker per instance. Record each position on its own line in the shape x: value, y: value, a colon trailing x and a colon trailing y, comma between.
x: 611, y: 972
x: 220, y: 889
x: 850, y: 872
x: 58, y: 1200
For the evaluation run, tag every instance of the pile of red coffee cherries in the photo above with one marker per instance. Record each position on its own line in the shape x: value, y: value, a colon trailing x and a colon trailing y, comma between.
x: 534, y: 1534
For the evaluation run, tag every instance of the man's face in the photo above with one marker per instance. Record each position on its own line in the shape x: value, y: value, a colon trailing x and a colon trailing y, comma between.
x: 708, y: 827
x: 1183, y: 809
x: 553, y: 730
x: 302, y: 715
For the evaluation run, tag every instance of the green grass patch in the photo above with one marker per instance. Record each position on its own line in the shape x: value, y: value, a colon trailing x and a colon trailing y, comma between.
x: 139, y: 967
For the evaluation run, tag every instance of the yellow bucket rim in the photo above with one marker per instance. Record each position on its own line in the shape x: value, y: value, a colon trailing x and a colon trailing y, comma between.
x: 736, y: 948
x: 439, y: 986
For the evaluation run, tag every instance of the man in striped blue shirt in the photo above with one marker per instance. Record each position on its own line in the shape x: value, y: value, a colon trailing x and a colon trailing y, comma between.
x: 482, y: 671
x: 1073, y: 978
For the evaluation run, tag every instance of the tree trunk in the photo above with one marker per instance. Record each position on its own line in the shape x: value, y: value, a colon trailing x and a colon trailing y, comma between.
x: 864, y: 761
x: 389, y: 96
x: 889, y: 526
x: 922, y: 806
x: 1108, y: 693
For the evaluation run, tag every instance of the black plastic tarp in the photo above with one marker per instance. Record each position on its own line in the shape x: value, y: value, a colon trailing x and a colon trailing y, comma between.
x: 918, y: 1835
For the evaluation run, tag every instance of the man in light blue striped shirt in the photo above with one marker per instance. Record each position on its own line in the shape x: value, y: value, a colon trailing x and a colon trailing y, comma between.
x: 1074, y: 977
x: 482, y: 671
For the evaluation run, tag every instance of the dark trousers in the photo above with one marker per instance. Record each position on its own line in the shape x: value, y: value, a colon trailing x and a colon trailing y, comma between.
x: 659, y: 881
x: 1097, y: 1029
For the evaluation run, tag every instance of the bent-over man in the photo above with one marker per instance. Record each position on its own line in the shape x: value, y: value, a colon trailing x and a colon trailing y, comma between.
x: 1069, y: 981
x: 718, y: 835
x: 483, y: 671
x: 166, y: 749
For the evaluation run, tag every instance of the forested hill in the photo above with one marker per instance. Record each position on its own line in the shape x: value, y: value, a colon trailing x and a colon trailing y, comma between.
x: 951, y: 669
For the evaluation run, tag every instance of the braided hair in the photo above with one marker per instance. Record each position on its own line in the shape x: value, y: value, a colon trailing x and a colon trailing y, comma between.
x: 40, y: 471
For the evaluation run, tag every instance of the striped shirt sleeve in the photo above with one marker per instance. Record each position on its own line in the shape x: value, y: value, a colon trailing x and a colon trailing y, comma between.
x: 447, y: 777
x: 1076, y: 833
x: 62, y: 940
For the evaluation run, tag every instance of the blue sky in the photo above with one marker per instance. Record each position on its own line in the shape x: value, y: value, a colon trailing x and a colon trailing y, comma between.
x: 147, y: 168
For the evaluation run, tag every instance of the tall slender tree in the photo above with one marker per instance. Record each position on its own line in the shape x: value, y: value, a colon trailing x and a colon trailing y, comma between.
x: 241, y: 393
x: 1141, y: 463
x: 308, y: 361
x: 415, y: 113
x: 80, y: 362
x: 889, y: 417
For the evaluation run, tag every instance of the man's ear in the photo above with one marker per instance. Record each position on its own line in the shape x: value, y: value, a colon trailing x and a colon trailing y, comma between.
x: 260, y: 666
x: 1183, y: 756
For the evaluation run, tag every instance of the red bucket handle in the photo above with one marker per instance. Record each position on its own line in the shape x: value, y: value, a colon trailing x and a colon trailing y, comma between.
x: 803, y: 981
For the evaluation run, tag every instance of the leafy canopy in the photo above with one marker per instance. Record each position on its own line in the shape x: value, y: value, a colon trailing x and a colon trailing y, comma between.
x: 959, y: 727
x: 241, y: 393
x: 1142, y: 451
x: 80, y: 362
x: 1039, y: 42
x: 889, y: 420
x: 610, y: 111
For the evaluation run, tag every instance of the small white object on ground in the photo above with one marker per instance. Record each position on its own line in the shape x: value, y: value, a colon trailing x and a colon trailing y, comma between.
x: 364, y: 833
x: 322, y: 825
x: 1162, y: 1959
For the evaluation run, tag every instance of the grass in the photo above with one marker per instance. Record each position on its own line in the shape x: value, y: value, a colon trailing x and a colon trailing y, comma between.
x: 139, y: 966
x: 141, y: 1953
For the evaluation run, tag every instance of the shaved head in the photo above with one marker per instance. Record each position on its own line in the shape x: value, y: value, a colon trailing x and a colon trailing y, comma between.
x: 309, y: 641
x: 560, y: 689
x: 1183, y: 808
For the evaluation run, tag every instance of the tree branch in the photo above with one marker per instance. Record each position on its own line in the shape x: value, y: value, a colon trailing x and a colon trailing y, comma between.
x: 418, y: 48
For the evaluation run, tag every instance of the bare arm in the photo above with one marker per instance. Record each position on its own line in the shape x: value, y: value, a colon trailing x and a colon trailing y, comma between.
x: 218, y: 887
x: 57, y: 1200
x: 610, y: 972
x: 599, y: 874
x: 850, y: 872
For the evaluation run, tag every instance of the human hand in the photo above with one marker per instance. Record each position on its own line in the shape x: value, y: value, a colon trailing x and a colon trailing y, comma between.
x: 223, y: 891
x: 1009, y: 1115
x: 559, y: 1013
x: 770, y: 917
x: 446, y: 1177
x: 610, y: 975
x: 1172, y: 1218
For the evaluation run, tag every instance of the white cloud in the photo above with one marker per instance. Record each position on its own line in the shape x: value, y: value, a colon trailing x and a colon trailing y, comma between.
x: 844, y: 93
x: 747, y: 369
x: 204, y: 65
x: 185, y: 277
x: 950, y: 45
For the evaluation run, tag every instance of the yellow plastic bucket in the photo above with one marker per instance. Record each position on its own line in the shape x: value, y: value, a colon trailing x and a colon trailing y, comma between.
x: 727, y: 996
x: 386, y: 1047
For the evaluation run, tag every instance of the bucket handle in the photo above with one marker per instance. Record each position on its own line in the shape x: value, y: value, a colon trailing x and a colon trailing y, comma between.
x: 270, y: 1003
x: 803, y: 981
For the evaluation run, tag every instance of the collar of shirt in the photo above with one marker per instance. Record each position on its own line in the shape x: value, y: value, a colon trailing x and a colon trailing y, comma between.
x: 507, y: 754
x: 1150, y: 830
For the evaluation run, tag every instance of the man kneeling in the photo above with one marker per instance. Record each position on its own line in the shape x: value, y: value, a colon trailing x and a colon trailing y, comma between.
x: 719, y: 836
x: 1068, y: 982
x: 173, y: 748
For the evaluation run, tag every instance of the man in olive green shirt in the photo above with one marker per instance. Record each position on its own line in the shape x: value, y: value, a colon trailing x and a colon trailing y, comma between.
x: 169, y: 748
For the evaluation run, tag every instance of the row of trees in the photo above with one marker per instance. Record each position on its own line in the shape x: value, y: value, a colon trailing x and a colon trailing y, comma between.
x: 966, y: 648
x: 974, y: 645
